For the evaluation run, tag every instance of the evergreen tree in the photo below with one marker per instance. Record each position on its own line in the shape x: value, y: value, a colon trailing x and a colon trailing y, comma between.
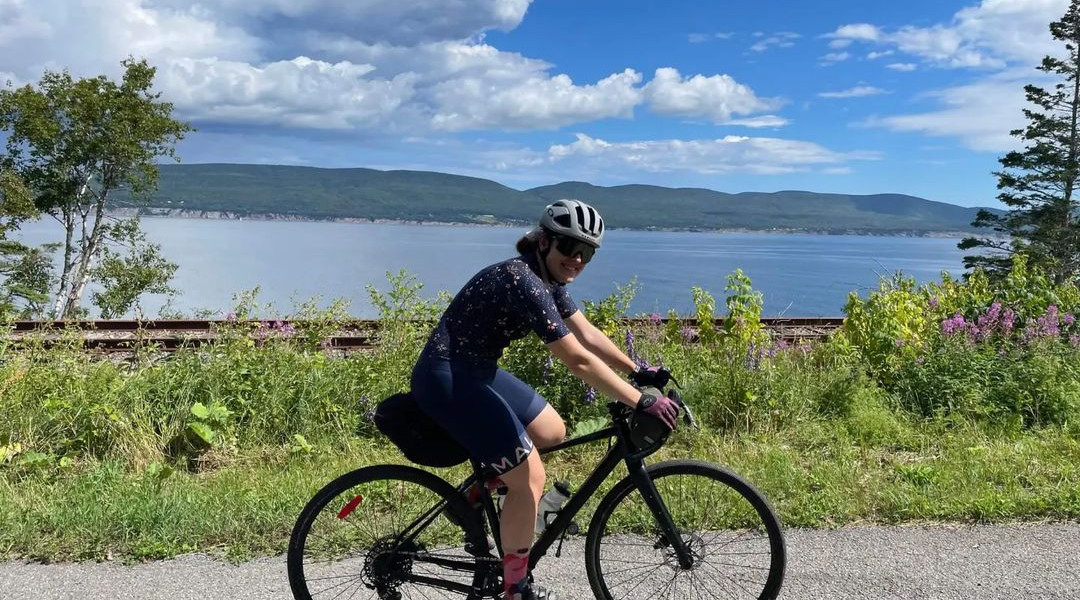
x: 1038, y: 182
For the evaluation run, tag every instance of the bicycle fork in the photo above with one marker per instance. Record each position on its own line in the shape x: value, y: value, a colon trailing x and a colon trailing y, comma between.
x: 644, y: 484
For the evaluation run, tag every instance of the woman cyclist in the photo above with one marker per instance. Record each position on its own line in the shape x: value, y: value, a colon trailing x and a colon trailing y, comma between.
x: 498, y: 418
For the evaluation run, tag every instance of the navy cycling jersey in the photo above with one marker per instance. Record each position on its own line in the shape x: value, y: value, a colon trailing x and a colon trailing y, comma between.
x: 501, y: 303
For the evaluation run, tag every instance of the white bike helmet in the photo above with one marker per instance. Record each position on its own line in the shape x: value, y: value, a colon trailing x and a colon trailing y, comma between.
x: 575, y: 219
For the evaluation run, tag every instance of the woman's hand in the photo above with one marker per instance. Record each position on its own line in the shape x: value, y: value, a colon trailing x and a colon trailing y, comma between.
x: 657, y: 377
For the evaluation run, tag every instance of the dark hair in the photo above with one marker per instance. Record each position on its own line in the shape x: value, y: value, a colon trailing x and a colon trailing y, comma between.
x: 530, y: 242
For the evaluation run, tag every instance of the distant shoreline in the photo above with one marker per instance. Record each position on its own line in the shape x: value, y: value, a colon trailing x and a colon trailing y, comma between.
x: 173, y: 213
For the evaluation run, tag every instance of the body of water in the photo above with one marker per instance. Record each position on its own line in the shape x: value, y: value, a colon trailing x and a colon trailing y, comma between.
x: 799, y: 274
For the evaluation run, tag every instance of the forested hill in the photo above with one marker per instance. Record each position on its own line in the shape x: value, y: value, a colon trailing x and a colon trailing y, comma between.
x: 306, y: 192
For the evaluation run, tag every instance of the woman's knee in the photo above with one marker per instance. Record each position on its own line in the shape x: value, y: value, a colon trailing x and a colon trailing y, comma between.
x: 547, y: 429
x: 530, y: 475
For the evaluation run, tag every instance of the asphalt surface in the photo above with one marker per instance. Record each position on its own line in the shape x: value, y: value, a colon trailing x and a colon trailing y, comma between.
x: 982, y: 563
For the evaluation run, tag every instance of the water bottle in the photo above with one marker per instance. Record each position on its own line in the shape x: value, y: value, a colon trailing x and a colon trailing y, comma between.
x: 550, y: 504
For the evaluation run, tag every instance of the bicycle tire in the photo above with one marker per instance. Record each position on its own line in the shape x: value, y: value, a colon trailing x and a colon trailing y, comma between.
x: 635, y: 538
x: 344, y: 516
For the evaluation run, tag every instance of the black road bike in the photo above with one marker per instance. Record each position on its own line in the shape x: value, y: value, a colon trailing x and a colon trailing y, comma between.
x: 675, y: 529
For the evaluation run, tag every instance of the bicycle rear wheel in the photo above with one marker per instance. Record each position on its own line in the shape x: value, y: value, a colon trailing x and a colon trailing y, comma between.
x: 389, y: 532
x: 733, y: 536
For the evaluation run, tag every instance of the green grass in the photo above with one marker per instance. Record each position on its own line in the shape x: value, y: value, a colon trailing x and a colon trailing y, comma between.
x: 816, y: 474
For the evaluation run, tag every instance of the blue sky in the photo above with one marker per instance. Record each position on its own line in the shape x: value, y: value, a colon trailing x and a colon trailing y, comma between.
x: 843, y: 96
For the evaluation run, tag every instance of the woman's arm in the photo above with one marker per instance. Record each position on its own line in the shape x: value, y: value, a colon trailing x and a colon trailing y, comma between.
x: 592, y: 369
x: 599, y: 344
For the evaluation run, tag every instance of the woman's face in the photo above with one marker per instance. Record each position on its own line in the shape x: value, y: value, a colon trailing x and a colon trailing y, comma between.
x: 561, y: 267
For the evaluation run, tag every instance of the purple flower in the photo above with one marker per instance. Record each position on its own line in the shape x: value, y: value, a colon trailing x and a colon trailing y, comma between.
x: 687, y: 334
x: 230, y: 317
x: 655, y: 318
x: 1074, y: 339
x: 590, y: 396
x: 1069, y: 319
x: 934, y: 302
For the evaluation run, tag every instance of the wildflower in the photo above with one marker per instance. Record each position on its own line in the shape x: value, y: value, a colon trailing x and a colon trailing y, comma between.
x: 655, y: 318
x: 934, y: 302
x: 230, y: 317
x: 550, y: 362
x: 1074, y: 340
x: 590, y: 396
x: 1069, y: 319
x: 286, y: 330
x: 687, y: 334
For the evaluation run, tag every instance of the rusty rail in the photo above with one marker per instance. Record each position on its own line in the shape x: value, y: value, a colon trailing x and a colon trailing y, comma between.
x: 112, y: 336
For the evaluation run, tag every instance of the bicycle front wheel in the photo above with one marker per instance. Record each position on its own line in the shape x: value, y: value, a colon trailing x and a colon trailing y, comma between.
x: 388, y: 532
x: 732, y: 534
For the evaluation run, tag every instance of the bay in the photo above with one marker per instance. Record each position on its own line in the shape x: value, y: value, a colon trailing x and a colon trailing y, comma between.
x: 291, y: 261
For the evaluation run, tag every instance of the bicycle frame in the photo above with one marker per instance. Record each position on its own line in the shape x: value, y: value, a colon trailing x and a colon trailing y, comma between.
x: 620, y: 451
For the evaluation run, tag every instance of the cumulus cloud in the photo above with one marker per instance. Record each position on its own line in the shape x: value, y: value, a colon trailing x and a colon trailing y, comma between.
x: 858, y: 91
x: 731, y: 154
x: 474, y: 103
x: 401, y: 22
x: 301, y: 93
x: 716, y: 98
x: 993, y: 34
x: 903, y: 67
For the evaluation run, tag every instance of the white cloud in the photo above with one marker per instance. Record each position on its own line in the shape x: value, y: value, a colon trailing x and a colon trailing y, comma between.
x: 835, y: 57
x: 981, y: 114
x: 877, y: 55
x: 88, y: 39
x: 903, y: 67
x: 300, y: 93
x: 839, y: 44
x: 474, y: 103
x: 859, y: 31
x: 731, y: 154
x: 759, y: 122
x: 855, y: 92
x: 716, y: 98
x: 993, y: 34
x: 403, y: 22
x: 784, y: 39
x: 700, y: 38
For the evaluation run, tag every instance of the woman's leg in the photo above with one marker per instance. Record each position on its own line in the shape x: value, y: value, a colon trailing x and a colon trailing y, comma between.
x: 525, y: 485
x: 547, y: 429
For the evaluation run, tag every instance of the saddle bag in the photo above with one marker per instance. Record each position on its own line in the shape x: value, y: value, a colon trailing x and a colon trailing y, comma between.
x: 419, y: 437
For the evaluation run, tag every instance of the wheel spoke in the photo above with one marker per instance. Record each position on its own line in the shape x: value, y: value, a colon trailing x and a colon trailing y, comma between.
x: 360, y: 556
x: 722, y: 522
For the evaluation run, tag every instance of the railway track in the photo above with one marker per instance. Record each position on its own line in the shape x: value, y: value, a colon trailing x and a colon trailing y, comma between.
x: 111, y: 336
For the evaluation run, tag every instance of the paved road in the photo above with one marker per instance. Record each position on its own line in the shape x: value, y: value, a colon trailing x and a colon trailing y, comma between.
x: 980, y: 563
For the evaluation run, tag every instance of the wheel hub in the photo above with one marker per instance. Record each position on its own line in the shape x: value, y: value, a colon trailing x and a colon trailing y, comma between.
x: 388, y: 564
x: 694, y: 543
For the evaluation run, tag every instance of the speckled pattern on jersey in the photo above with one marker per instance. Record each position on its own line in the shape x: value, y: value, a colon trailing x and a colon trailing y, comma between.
x: 501, y: 303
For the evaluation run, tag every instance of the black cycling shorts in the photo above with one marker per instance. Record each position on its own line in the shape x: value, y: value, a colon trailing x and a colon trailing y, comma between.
x: 483, y: 407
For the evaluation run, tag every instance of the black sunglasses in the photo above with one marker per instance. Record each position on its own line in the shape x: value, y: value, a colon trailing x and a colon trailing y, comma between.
x: 568, y: 246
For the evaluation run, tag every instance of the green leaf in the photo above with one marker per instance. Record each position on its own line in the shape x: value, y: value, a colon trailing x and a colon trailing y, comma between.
x: 200, y: 411
x: 203, y: 431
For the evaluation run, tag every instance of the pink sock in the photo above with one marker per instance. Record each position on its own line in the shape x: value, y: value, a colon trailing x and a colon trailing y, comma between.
x: 515, y: 568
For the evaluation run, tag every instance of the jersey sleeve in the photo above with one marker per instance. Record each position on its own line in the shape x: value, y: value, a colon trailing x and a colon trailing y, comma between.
x: 534, y: 304
x: 563, y: 302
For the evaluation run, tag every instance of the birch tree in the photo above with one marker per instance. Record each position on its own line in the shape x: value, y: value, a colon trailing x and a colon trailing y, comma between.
x: 77, y: 144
